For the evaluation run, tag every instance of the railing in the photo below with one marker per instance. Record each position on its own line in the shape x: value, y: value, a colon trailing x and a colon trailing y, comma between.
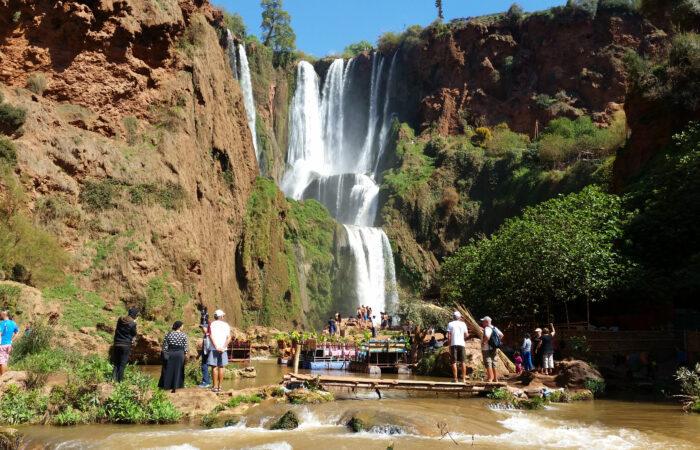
x: 387, y: 353
x: 315, y: 351
x: 239, y: 351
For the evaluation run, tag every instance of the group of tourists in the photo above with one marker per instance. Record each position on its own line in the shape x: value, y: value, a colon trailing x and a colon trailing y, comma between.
x: 457, y: 334
x: 214, y: 356
x: 537, y: 351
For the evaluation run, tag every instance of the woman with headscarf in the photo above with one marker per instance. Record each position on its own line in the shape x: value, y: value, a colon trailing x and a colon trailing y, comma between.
x: 174, y: 350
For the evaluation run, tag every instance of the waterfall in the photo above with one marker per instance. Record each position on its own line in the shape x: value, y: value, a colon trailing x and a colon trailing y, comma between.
x: 231, y: 53
x: 325, y: 164
x: 247, y: 88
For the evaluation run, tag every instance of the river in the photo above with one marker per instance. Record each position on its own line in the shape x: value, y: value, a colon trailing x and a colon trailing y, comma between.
x: 597, y: 424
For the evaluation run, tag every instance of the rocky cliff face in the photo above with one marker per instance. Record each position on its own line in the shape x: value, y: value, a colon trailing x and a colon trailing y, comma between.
x: 141, y: 135
x: 523, y: 73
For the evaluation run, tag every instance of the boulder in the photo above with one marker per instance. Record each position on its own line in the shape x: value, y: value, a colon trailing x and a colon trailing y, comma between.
x: 377, y: 422
x: 10, y: 438
x: 288, y: 421
x: 105, y: 327
x: 573, y: 374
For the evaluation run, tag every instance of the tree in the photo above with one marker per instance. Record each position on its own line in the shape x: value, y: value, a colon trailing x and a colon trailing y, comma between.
x: 276, y: 26
x: 438, y: 5
x: 355, y: 49
x: 561, y: 250
x: 515, y: 12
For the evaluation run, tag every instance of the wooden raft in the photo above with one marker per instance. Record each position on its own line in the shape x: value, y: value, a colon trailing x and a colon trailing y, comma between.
x: 378, y: 384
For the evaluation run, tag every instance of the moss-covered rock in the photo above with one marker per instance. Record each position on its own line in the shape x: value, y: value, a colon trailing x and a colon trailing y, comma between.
x: 288, y: 421
x: 10, y: 438
x: 304, y: 396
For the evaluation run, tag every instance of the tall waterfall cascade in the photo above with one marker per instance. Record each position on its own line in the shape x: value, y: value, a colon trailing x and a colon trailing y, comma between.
x: 237, y: 57
x: 331, y: 161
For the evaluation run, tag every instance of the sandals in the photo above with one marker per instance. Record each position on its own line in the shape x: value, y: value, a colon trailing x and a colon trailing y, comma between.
x: 216, y: 389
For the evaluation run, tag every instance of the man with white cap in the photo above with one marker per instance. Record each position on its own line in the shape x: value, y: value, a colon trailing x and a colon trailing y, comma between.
x: 220, y: 335
x: 457, y: 334
x: 489, y: 348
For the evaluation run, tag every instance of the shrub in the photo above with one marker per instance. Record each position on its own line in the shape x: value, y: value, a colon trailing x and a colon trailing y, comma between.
x: 449, y: 199
x: 689, y: 380
x: 98, y: 195
x: 11, y: 118
x: 123, y: 406
x: 18, y: 407
x: 8, y: 153
x: 482, y: 136
x: 500, y: 394
x: 160, y: 410
x: 355, y: 49
x: 69, y: 417
x: 131, y: 126
x: 544, y: 101
x: 39, y: 339
x: 534, y: 403
x: 515, y: 13
x: 9, y: 296
x: 563, y: 396
x: 596, y: 386
x: 37, y: 83
x: 391, y: 41
x: 57, y: 208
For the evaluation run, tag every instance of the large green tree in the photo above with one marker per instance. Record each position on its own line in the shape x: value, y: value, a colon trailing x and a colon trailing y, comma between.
x: 561, y: 250
x: 276, y: 26
x: 438, y: 5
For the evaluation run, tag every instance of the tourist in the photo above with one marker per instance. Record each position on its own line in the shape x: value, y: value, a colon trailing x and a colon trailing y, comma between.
x: 457, y: 335
x: 518, y: 363
x: 384, y: 321
x: 359, y: 313
x: 489, y: 348
x: 547, y: 350
x: 331, y: 325
x: 536, y: 341
x: 9, y: 330
x: 389, y: 320
x: 204, y: 354
x: 204, y: 318
x: 338, y: 321
x: 526, y: 348
x: 220, y: 335
x: 174, y: 350
x: 373, y: 323
x: 124, y: 336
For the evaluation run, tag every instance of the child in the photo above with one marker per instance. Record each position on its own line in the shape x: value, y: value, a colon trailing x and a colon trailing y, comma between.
x: 518, y: 363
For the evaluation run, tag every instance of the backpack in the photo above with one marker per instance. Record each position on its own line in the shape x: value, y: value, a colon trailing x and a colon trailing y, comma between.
x: 495, y: 340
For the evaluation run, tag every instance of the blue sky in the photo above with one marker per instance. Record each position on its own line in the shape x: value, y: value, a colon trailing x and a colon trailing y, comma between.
x: 327, y: 26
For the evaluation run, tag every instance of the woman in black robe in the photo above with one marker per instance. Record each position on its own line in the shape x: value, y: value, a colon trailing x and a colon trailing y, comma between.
x: 174, y: 350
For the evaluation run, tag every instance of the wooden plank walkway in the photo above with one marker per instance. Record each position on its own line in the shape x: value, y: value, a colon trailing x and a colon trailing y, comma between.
x: 378, y: 384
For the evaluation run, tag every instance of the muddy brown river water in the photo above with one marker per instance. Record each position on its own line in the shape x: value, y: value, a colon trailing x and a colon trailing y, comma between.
x: 600, y: 424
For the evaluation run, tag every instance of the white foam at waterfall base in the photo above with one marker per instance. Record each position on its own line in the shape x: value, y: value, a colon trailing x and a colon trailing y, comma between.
x: 536, y: 431
x: 271, y: 446
x: 247, y: 88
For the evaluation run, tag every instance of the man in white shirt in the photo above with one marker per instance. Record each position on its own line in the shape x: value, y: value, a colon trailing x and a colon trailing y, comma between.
x: 457, y: 334
x: 489, y: 352
x: 220, y: 335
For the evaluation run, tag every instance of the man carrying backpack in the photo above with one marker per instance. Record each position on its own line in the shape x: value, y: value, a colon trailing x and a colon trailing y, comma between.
x: 490, y: 344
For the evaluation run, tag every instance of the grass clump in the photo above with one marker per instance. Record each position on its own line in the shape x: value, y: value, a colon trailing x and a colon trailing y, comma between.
x: 11, y: 118
x: 8, y: 152
x: 37, y: 83
x: 99, y: 194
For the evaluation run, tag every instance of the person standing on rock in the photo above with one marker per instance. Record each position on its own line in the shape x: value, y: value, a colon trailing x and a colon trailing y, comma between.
x: 490, y: 344
x: 220, y: 335
x: 9, y: 330
x: 457, y: 334
x: 204, y: 354
x: 124, y: 335
x: 174, y: 350
x: 526, y: 348
x: 547, y: 350
x: 536, y: 351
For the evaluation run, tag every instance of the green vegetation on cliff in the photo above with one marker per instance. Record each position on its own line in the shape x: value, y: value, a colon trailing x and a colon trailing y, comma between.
x: 446, y: 190
x: 285, y: 261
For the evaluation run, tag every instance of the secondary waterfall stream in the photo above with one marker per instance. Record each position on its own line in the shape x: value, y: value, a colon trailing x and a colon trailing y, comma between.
x: 326, y: 164
x: 237, y: 57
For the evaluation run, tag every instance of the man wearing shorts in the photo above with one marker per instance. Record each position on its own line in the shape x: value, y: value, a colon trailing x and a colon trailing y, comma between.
x: 489, y: 353
x: 9, y: 330
x: 457, y: 334
x: 220, y: 335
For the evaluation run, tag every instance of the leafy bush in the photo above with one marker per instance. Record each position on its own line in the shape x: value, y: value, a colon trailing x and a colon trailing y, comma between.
x: 596, y: 386
x: 563, y: 396
x: 235, y: 23
x: 482, y: 136
x: 9, y: 296
x: 11, y: 118
x: 689, y: 380
x: 39, y: 339
x: 69, y: 417
x: 160, y: 410
x: 18, y: 407
x: 123, y: 406
x: 409, y: 39
x: 533, y: 403
x: 8, y: 153
x: 515, y: 13
x: 500, y: 394
x: 579, y: 347
x: 37, y: 83
x: 98, y: 195
x: 357, y: 48
x: 57, y: 208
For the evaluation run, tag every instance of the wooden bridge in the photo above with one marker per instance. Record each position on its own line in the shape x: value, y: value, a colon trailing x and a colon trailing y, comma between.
x: 379, y: 384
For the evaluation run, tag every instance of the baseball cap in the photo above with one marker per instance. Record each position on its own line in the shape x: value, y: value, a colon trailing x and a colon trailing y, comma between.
x: 485, y: 318
x: 456, y: 314
x: 538, y: 330
x: 219, y: 313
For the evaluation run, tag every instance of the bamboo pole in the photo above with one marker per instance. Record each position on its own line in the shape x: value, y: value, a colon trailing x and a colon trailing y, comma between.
x: 474, y: 328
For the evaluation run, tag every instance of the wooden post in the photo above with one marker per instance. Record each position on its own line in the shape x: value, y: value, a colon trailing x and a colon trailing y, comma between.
x: 297, y: 352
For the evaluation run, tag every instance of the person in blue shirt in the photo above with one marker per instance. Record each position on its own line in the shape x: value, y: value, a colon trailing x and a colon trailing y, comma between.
x: 8, y: 331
